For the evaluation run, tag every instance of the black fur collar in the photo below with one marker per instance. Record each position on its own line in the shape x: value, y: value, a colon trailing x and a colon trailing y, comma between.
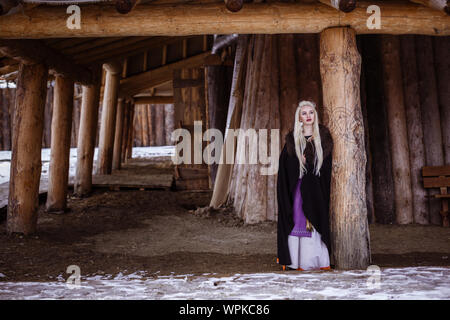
x: 325, y: 137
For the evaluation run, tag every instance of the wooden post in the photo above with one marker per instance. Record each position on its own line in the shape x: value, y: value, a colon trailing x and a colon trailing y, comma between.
x: 415, y: 131
x: 431, y: 121
x: 151, y: 116
x: 126, y: 124
x: 398, y: 136
x: 23, y: 199
x: 442, y: 67
x: 169, y: 123
x: 118, y: 135
x: 108, y: 122
x: 382, y: 180
x: 252, y: 193
x: 218, y: 88
x: 225, y: 170
x: 86, y: 139
x: 129, y: 151
x: 340, y: 65
x: 60, y: 145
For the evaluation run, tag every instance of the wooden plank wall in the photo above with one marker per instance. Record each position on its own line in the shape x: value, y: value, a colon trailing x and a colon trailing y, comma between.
x: 153, y: 124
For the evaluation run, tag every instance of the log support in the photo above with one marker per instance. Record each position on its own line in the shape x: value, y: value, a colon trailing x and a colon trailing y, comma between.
x: 117, y: 158
x: 340, y: 65
x: 60, y: 145
x: 23, y: 200
x: 398, y: 136
x: 86, y: 139
x: 398, y: 17
x: 108, y: 121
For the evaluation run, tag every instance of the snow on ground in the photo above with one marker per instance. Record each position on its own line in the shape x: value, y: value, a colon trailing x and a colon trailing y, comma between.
x: 138, y: 152
x: 412, y: 283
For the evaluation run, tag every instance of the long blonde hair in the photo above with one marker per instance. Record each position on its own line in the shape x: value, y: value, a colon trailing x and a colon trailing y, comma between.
x: 300, y: 140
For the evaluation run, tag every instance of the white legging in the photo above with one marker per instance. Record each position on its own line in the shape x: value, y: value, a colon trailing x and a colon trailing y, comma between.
x: 308, y: 253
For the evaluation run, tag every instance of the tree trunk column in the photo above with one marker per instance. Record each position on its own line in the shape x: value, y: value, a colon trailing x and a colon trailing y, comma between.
x: 118, y: 135
x: 340, y: 65
x: 86, y: 139
x: 108, y: 122
x: 398, y: 136
x: 60, y: 145
x: 23, y: 200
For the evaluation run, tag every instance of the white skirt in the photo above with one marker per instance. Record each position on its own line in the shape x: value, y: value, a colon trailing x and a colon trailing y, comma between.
x: 308, y: 253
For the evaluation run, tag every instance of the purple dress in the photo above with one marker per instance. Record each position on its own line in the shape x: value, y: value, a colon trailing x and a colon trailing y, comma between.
x: 299, y: 229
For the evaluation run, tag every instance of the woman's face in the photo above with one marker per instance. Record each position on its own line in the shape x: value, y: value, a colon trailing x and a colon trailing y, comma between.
x: 307, y: 115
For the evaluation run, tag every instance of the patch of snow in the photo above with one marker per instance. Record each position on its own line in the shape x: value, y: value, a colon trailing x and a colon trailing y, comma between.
x: 138, y: 152
x: 394, y: 283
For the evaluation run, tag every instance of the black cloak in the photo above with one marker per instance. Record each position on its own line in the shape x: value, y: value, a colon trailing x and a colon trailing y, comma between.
x: 315, y: 191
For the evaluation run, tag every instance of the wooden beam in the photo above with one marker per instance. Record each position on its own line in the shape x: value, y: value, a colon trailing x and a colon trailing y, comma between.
x: 137, y: 83
x: 343, y: 5
x: 123, y: 48
x: 398, y: 17
x: 154, y: 100
x: 35, y: 51
x: 441, y: 5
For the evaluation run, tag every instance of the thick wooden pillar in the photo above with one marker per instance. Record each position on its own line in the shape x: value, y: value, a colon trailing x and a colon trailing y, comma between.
x: 253, y: 193
x: 28, y: 124
x: 415, y: 131
x: 60, y: 145
x: 431, y: 121
x: 86, y: 139
x: 118, y: 135
x: 225, y: 169
x: 218, y: 86
x: 108, y: 121
x: 398, y: 136
x: 340, y: 65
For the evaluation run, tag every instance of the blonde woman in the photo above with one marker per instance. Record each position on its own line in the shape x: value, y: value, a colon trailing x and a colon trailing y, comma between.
x: 303, y: 193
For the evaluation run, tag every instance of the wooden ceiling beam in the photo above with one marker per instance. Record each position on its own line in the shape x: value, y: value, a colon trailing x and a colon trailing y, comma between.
x: 35, y: 51
x: 154, y: 100
x: 133, y: 85
x: 126, y: 49
x: 398, y: 17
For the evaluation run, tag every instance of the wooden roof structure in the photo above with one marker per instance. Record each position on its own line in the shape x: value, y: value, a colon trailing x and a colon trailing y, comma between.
x: 151, y: 38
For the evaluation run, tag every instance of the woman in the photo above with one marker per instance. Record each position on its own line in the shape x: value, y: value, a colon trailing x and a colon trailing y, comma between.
x: 303, y: 192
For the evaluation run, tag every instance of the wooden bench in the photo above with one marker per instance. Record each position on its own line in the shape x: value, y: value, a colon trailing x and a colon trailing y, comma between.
x: 439, y: 177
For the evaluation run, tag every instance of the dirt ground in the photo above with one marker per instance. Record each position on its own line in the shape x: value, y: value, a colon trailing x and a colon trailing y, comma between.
x: 160, y: 232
